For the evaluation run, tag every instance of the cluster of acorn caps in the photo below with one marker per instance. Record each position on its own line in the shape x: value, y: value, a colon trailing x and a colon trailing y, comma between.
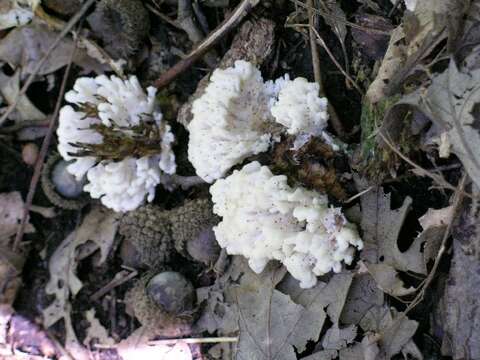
x: 152, y: 237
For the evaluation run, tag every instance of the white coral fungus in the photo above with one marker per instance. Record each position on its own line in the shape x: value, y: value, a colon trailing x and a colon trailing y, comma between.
x: 122, y: 106
x: 236, y: 116
x: 300, y: 109
x: 265, y: 219
x: 229, y: 121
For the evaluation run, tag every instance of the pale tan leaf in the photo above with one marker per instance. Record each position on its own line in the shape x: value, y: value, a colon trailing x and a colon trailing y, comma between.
x: 381, y: 226
x: 25, y: 110
x: 388, y: 281
x: 11, y: 213
x: 96, y: 331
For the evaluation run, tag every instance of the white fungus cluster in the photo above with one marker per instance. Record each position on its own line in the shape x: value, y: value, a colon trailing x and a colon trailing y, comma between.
x: 229, y: 121
x: 301, y: 110
x: 265, y: 219
x: 112, y: 102
x: 233, y: 119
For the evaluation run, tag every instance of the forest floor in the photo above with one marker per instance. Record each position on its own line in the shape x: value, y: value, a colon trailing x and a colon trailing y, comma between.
x: 402, y: 81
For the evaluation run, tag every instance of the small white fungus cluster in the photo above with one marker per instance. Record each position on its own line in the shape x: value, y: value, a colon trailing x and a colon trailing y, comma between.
x: 112, y: 102
x: 233, y: 119
x: 265, y: 219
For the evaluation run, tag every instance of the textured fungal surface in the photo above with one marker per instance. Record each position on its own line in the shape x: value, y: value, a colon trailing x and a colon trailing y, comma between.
x: 265, y: 219
x: 229, y: 121
x: 240, y: 115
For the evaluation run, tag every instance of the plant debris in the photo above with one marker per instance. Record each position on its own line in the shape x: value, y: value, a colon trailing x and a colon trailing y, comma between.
x: 397, y: 160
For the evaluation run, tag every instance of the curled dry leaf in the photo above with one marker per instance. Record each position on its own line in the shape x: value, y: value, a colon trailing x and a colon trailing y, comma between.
x: 36, y: 38
x: 388, y: 281
x: 99, y: 226
x: 11, y: 213
x: 393, y: 330
x: 431, y: 22
x: 96, y: 331
x: 25, y: 110
x: 16, y: 12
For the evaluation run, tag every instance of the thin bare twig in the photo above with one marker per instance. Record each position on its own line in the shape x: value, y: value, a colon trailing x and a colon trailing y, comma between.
x: 119, y: 279
x: 164, y: 17
x: 334, y: 119
x: 337, y: 64
x: 43, y: 153
x: 436, y: 178
x: 69, y: 26
x: 226, y: 26
x: 23, y: 124
x: 346, y: 22
x: 456, y: 204
x: 313, y: 46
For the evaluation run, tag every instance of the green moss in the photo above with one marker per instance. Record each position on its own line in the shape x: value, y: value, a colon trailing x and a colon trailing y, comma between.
x: 377, y: 160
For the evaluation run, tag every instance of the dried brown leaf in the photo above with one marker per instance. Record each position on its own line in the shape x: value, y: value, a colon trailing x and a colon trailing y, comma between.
x: 394, y: 330
x: 36, y: 38
x: 388, y: 281
x: 381, y: 227
x: 362, y: 296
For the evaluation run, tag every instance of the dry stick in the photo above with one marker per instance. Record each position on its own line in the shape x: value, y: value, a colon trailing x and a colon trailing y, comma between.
x: 337, y: 64
x: 227, y: 25
x: 23, y: 124
x: 43, y: 152
x: 71, y: 23
x: 457, y: 203
x: 337, y: 18
x: 334, y: 119
x: 116, y: 281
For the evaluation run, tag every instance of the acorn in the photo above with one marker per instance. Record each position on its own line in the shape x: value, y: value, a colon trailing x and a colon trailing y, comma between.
x: 192, y: 230
x: 61, y: 187
x: 163, y: 303
x: 172, y: 292
x: 147, y: 238
x: 121, y: 24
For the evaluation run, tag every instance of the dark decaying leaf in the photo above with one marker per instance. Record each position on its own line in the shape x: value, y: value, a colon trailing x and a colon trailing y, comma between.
x: 451, y: 101
x: 461, y: 302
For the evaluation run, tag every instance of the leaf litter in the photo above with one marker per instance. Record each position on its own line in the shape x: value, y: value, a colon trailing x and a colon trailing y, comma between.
x: 430, y: 68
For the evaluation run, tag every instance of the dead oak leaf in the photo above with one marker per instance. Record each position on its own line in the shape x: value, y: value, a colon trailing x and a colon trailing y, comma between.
x: 381, y: 227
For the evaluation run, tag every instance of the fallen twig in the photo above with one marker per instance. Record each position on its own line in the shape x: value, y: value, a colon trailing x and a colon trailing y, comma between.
x: 346, y: 22
x: 43, y: 152
x: 322, y: 43
x: 334, y: 119
x: 226, y: 26
x: 458, y: 197
x: 119, y: 279
x: 71, y: 23
x: 24, y: 124
x: 423, y: 172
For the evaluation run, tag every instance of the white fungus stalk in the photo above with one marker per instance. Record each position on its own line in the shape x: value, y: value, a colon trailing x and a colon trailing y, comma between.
x: 265, y: 219
x: 122, y: 107
x: 240, y: 115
